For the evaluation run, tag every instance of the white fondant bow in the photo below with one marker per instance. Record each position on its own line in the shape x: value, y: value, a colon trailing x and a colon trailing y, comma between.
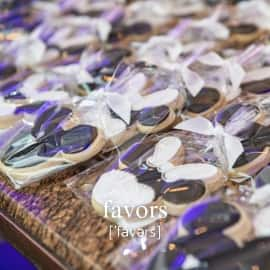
x: 201, y: 125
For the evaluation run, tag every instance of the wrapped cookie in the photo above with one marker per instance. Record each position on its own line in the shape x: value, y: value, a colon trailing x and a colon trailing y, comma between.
x: 204, y: 234
x: 241, y: 233
x: 162, y: 49
x: 47, y: 142
x: 222, y: 74
x: 158, y: 176
x: 228, y: 146
x: 144, y: 99
x: 25, y: 94
x: 94, y: 69
x: 208, y: 29
x: 248, y: 119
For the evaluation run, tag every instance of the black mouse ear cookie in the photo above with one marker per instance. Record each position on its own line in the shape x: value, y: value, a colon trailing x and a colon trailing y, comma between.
x: 47, y: 147
x: 117, y: 190
x: 189, y: 183
x: 168, y: 153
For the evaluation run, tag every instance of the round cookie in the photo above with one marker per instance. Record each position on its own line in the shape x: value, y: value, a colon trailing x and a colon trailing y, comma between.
x: 206, y: 103
x: 189, y: 183
x: 155, y: 119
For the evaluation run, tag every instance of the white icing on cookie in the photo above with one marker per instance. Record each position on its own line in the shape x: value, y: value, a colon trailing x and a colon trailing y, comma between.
x: 122, y: 190
x: 156, y: 99
x: 164, y: 151
x: 192, y: 171
x: 7, y: 109
x: 262, y: 223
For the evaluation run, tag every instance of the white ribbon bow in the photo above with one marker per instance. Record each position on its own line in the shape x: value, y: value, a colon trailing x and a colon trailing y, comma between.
x: 118, y: 103
x: 229, y: 69
x: 212, y: 25
x: 201, y: 125
x: 95, y: 110
x: 160, y: 48
x: 28, y: 50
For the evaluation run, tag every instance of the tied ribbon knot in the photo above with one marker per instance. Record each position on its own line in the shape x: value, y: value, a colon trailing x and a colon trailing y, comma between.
x: 232, y: 144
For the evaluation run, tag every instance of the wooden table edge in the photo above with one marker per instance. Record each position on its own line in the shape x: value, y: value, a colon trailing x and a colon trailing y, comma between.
x: 28, y: 246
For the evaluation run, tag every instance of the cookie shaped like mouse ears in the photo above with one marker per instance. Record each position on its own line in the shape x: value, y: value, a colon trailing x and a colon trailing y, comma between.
x: 233, y: 147
x: 95, y: 69
x: 223, y: 78
x: 158, y: 163
x: 57, y: 138
x: 207, y: 230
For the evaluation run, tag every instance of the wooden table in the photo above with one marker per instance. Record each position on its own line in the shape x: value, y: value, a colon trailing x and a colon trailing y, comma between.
x: 53, y: 228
